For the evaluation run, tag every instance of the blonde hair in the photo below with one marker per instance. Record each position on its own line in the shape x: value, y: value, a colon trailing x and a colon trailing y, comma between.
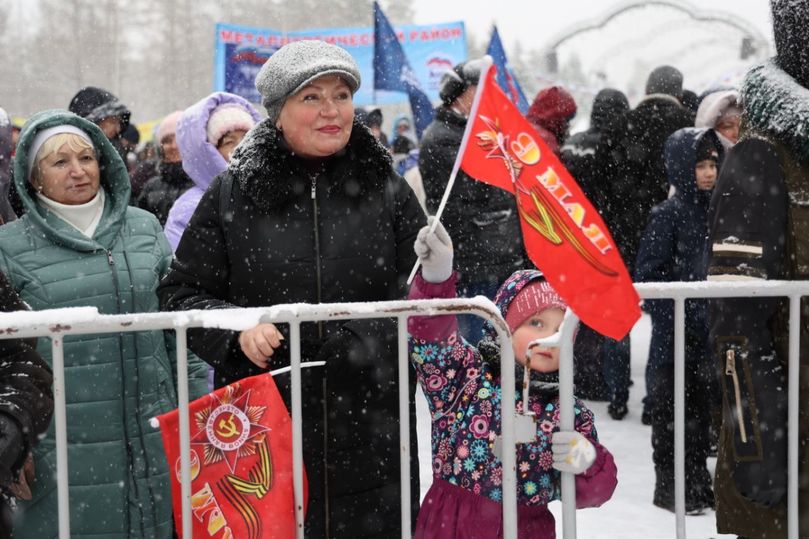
x: 52, y: 145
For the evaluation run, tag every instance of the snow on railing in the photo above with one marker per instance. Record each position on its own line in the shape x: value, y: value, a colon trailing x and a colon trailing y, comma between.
x: 83, y: 320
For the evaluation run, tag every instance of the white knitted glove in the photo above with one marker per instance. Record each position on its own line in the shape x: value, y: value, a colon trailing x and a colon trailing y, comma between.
x: 434, y: 252
x: 572, y: 452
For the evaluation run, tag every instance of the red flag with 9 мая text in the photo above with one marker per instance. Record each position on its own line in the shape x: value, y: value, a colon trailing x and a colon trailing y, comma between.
x: 241, y: 462
x: 563, y: 234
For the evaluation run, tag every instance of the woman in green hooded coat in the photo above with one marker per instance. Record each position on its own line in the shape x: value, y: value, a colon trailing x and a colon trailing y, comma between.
x: 81, y: 244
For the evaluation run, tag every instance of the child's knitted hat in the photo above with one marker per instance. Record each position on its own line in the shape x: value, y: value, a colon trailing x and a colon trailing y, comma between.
x: 535, y: 297
x: 707, y: 150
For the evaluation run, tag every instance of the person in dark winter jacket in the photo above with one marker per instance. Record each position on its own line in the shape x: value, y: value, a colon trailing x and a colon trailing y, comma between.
x: 207, y: 133
x: 309, y: 210
x: 690, y: 101
x: 482, y: 219
x: 760, y: 230
x: 642, y: 182
x: 374, y: 123
x: 673, y: 248
x: 550, y: 114
x: 80, y: 243
x: 639, y: 185
x: 158, y: 195
x: 588, y: 156
x: 402, y: 137
x: 106, y: 111
x: 130, y: 137
x: 26, y: 406
x: 463, y: 390
x: 6, y: 149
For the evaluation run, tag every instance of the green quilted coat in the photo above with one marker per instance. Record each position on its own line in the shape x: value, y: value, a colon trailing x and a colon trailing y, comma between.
x: 114, y: 382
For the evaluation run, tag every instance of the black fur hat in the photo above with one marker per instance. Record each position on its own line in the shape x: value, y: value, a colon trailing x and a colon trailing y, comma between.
x: 455, y: 81
x: 95, y: 104
x: 790, y: 20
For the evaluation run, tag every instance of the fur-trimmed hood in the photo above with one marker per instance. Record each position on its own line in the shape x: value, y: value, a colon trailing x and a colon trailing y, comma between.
x: 201, y: 160
x: 776, y: 105
x: 270, y: 174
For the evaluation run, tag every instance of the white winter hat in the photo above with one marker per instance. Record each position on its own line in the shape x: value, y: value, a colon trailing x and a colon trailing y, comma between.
x: 41, y: 137
x: 296, y: 64
x: 226, y: 118
x: 715, y: 105
x: 168, y: 126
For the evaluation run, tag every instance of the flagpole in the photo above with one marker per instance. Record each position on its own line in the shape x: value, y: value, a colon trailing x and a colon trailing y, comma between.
x: 487, y: 63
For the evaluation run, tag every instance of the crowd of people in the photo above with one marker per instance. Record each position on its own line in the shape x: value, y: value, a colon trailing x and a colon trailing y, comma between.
x: 314, y: 203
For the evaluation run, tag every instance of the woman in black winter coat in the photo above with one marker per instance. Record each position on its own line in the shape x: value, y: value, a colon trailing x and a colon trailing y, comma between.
x: 26, y: 406
x: 309, y: 211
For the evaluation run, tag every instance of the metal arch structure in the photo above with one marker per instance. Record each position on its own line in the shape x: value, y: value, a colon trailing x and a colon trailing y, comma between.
x: 757, y: 41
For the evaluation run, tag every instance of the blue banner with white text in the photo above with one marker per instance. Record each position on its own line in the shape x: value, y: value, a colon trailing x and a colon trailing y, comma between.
x: 431, y: 49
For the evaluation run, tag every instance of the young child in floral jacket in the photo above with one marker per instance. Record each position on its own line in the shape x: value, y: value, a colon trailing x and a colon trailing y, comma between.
x: 462, y: 385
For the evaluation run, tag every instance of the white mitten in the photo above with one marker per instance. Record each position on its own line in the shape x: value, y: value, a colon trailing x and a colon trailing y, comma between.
x: 572, y: 452
x: 434, y: 252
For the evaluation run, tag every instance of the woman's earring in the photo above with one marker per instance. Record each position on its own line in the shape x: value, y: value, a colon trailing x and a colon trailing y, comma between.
x: 278, y: 127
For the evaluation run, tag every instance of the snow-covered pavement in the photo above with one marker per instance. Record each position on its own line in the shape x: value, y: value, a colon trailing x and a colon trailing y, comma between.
x: 630, y: 513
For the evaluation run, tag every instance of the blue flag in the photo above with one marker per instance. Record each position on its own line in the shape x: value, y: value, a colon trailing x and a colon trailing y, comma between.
x: 392, y: 71
x: 505, y: 76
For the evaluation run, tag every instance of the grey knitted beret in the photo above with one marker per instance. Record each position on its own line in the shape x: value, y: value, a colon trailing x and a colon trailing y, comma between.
x: 296, y: 64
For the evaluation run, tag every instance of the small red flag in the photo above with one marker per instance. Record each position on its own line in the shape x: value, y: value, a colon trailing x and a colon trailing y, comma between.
x: 563, y: 234
x: 241, y: 462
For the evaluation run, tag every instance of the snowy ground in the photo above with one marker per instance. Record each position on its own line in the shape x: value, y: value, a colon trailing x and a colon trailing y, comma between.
x: 630, y: 513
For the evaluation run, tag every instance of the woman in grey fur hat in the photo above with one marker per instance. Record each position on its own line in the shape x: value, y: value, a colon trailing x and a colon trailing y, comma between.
x: 310, y: 210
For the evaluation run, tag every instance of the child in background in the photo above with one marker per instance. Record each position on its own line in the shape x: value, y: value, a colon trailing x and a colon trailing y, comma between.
x: 462, y: 386
x: 673, y: 248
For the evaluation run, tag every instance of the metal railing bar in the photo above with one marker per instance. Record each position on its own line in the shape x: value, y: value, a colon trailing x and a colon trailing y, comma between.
x: 297, y: 425
x: 679, y: 417
x: 23, y: 324
x: 60, y: 420
x: 404, y: 425
x: 567, y: 420
x: 793, y: 438
x: 722, y: 289
x: 509, y: 457
x: 185, y: 430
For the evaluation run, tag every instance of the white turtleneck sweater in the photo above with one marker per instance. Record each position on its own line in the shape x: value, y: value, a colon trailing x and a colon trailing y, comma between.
x: 83, y: 217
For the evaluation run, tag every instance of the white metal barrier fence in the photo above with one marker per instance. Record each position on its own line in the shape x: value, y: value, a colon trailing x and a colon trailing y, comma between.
x: 60, y: 322
x: 57, y: 323
x: 679, y: 292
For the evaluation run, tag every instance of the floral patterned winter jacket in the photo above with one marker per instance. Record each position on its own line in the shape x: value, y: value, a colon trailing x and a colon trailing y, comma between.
x: 463, y: 391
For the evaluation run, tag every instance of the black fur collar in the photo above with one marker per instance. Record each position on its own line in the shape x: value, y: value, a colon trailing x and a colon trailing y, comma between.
x: 776, y: 105
x: 271, y: 175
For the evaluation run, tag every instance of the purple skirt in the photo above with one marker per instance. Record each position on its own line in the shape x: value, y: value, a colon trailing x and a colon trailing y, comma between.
x: 451, y: 512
